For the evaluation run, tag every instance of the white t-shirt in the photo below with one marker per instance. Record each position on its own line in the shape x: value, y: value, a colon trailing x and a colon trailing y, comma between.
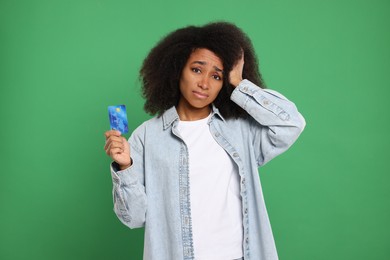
x: 214, y: 194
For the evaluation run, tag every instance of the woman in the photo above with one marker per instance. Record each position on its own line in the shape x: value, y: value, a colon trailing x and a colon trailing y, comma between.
x: 190, y: 174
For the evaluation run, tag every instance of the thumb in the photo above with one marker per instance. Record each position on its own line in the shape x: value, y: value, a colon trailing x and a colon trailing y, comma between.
x: 126, y: 146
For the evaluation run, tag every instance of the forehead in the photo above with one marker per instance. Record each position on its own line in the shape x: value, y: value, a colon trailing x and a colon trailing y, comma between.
x: 206, y: 56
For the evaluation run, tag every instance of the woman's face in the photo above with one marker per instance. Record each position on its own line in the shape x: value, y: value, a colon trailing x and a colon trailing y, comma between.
x: 200, y: 83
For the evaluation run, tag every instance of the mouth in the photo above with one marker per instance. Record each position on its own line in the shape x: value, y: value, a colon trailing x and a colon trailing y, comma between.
x: 200, y: 95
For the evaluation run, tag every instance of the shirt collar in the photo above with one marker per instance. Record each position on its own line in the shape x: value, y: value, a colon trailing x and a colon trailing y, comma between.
x: 216, y: 113
x: 170, y: 116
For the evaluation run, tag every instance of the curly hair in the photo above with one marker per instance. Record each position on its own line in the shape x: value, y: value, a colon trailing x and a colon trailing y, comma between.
x: 162, y: 69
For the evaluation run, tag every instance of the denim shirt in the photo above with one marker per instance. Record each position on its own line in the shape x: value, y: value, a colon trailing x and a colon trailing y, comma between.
x: 154, y: 191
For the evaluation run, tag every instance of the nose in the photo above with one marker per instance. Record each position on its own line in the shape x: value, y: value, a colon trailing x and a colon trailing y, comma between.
x: 204, y: 83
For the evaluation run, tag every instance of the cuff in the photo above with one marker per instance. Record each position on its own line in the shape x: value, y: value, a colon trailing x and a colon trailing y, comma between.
x: 125, y: 176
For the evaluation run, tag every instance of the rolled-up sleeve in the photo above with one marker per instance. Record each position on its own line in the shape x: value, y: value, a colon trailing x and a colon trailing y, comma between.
x: 129, y: 194
x: 276, y: 122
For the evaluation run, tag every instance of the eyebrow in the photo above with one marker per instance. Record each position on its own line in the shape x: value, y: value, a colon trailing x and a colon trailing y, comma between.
x: 204, y: 63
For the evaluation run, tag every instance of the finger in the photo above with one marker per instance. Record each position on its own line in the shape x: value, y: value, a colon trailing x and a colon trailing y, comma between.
x: 117, y: 145
x: 113, y: 139
x: 113, y: 145
x: 112, y: 133
x: 115, y: 151
x: 109, y: 133
x: 109, y: 146
x: 126, y: 146
x: 124, y: 141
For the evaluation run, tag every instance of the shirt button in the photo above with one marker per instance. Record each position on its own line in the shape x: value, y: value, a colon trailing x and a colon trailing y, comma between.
x: 235, y: 155
x: 243, y: 181
x: 266, y: 102
x: 246, y: 211
x: 216, y: 134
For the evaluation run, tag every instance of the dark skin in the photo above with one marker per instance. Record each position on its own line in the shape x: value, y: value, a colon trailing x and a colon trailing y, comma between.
x: 200, y: 84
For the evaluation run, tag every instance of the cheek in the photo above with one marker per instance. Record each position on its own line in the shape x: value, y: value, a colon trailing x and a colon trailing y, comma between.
x: 183, y: 83
x: 185, y: 80
x: 220, y: 86
x: 217, y: 91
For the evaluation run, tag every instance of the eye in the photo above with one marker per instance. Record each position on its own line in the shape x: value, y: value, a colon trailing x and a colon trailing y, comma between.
x: 217, y: 77
x: 196, y: 70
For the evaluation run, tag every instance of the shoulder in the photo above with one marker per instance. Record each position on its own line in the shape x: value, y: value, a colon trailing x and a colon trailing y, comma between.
x: 139, y: 135
x: 148, y: 125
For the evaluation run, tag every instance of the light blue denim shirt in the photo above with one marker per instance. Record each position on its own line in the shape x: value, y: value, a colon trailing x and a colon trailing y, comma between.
x: 154, y: 191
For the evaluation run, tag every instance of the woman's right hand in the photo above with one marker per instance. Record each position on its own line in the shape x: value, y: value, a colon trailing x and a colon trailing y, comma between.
x: 118, y: 148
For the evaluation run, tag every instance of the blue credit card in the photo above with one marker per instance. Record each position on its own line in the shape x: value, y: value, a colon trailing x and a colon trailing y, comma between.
x: 118, y: 118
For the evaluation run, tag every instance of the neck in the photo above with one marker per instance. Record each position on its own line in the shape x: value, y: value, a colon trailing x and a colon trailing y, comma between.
x: 192, y: 114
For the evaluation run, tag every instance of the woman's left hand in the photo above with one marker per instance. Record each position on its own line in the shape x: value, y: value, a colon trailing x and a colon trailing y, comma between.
x: 235, y: 76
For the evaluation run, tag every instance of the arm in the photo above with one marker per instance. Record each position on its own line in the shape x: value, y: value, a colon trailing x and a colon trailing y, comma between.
x: 128, y: 180
x: 276, y: 122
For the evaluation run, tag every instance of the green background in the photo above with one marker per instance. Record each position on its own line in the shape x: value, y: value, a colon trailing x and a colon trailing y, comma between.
x: 63, y: 62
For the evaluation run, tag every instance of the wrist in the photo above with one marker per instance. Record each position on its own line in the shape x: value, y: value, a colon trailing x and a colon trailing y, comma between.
x: 235, y: 82
x: 124, y: 167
